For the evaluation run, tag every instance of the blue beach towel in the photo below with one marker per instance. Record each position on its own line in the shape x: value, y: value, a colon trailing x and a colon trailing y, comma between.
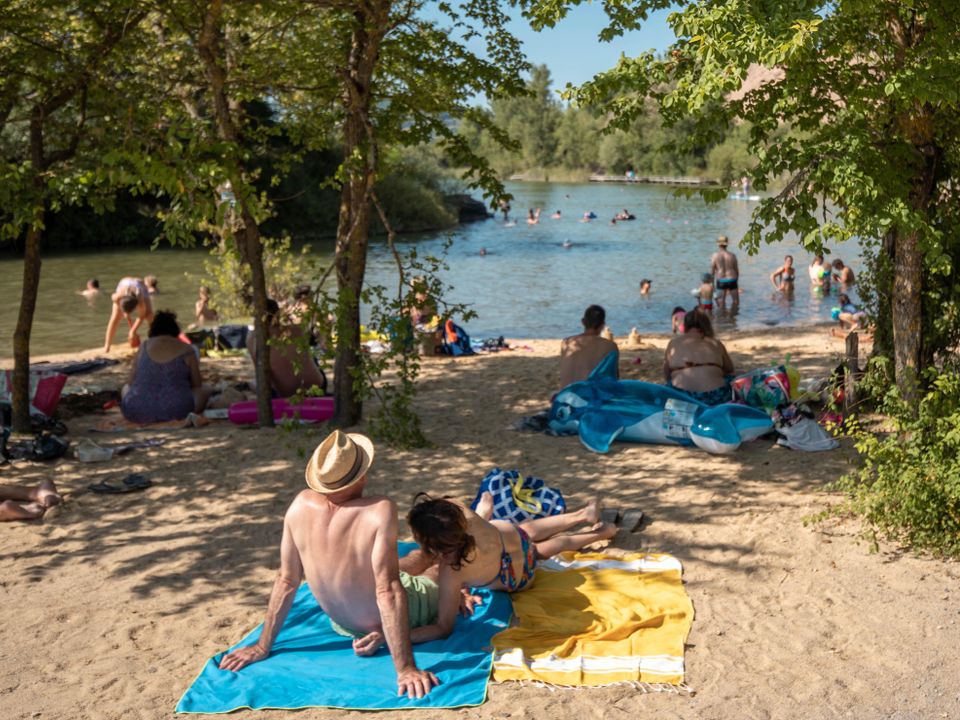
x: 311, y: 666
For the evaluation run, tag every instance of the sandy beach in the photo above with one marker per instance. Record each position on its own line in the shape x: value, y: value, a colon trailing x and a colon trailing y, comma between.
x: 111, y: 604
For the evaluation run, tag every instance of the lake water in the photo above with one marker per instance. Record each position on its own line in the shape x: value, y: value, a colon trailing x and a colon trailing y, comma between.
x: 527, y: 285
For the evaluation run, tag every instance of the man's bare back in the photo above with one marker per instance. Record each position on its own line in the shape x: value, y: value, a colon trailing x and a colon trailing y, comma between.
x: 336, y: 545
x: 580, y: 354
x: 723, y: 265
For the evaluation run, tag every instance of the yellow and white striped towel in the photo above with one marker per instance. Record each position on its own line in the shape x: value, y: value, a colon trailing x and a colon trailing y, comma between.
x: 594, y: 619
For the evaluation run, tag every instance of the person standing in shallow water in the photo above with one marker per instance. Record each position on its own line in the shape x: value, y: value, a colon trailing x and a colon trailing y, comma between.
x: 726, y: 271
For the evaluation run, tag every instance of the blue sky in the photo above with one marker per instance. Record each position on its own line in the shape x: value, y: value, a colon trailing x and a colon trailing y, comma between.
x: 573, y: 51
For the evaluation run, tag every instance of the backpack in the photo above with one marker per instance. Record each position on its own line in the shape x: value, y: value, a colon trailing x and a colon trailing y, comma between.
x: 455, y: 340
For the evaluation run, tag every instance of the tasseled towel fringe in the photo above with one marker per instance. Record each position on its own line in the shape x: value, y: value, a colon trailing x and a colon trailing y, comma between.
x: 644, y: 687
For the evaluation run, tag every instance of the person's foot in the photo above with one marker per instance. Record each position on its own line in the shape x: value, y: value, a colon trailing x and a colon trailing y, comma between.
x: 604, y: 529
x: 591, y: 512
x: 10, y: 510
x: 46, y: 495
x: 485, y: 506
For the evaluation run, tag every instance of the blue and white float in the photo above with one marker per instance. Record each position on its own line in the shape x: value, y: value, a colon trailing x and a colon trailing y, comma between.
x: 602, y: 409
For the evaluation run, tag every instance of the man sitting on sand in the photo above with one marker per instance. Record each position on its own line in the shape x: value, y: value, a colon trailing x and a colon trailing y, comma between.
x: 346, y: 547
x: 20, y: 503
x: 292, y: 367
x: 467, y: 550
x: 580, y: 354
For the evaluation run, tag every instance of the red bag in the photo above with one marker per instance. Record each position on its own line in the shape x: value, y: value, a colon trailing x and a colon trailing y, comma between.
x: 45, y: 389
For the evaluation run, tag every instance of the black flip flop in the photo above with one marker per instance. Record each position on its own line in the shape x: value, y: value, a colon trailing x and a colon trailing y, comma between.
x: 131, y: 483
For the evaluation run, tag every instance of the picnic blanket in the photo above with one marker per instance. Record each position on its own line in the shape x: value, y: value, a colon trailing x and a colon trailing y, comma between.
x: 121, y: 424
x: 312, y: 666
x: 593, y: 619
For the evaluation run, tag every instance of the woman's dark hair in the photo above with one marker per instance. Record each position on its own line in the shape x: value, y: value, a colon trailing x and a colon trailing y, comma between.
x: 818, y: 257
x: 676, y: 310
x: 844, y: 299
x: 696, y: 319
x: 645, y: 281
x: 164, y: 323
x: 440, y: 528
x: 93, y: 282
x: 273, y: 309
x: 838, y: 263
x: 128, y: 303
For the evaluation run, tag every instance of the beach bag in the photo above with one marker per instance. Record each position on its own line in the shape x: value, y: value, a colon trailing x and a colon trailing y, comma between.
x: 517, y: 498
x: 232, y: 337
x: 456, y: 342
x: 765, y: 389
x: 45, y: 389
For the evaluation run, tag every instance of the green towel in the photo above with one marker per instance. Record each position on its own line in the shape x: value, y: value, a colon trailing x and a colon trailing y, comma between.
x: 422, y: 600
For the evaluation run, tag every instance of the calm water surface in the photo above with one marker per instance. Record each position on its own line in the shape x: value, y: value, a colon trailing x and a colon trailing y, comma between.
x: 527, y: 285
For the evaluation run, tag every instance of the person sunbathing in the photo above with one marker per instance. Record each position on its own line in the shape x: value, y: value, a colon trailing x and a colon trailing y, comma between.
x: 467, y: 550
x: 21, y: 503
x: 580, y: 354
x: 698, y: 364
x: 345, y: 545
x: 292, y: 367
x: 165, y: 383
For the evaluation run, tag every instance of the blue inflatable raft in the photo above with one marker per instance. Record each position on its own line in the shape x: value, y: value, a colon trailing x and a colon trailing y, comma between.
x: 602, y: 409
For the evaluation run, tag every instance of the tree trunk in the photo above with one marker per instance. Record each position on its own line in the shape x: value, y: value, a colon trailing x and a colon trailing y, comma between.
x: 214, y: 55
x: 253, y: 256
x: 908, y: 285
x: 21, y: 336
x: 360, y: 163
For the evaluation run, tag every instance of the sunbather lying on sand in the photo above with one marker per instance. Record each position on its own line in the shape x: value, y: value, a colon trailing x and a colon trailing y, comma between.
x: 21, y: 503
x: 466, y: 550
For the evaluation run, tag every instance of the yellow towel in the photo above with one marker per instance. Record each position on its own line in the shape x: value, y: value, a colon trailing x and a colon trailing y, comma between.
x: 593, y: 619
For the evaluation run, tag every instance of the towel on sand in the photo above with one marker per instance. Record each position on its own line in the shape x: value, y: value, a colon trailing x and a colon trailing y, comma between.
x: 121, y: 424
x: 312, y: 666
x: 593, y: 619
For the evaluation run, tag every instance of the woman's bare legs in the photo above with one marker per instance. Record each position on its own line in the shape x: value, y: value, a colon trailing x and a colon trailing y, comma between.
x: 562, y: 543
x: 201, y: 396
x: 546, y: 527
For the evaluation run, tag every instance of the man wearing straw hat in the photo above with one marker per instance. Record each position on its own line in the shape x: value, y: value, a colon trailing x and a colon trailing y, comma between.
x: 346, y: 547
x: 723, y: 266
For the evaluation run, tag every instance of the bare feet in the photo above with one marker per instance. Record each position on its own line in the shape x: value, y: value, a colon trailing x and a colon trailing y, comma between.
x: 485, y: 506
x: 591, y: 512
x: 10, y: 510
x: 604, y: 532
x: 46, y: 494
x: 368, y: 644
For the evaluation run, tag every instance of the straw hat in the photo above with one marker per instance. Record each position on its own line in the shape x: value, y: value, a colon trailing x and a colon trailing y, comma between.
x: 722, y: 241
x: 339, y: 462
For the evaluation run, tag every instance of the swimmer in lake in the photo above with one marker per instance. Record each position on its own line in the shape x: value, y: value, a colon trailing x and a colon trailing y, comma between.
x: 556, y: 215
x: 533, y: 216
x: 92, y: 289
x: 567, y: 245
x: 645, y: 286
x: 483, y: 251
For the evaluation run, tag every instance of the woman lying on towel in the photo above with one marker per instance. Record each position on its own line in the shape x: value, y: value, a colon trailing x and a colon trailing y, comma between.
x: 463, y: 550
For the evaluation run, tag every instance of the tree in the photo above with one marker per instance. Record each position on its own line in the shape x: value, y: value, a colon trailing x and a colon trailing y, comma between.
x: 869, y: 94
x: 60, y: 94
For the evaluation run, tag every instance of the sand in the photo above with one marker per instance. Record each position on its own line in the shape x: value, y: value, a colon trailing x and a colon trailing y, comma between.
x: 112, y: 604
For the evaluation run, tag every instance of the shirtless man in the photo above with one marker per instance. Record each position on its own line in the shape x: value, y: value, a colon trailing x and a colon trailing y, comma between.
x: 131, y: 296
x: 723, y: 267
x: 580, y: 354
x: 346, y: 547
x: 470, y: 551
x: 292, y: 367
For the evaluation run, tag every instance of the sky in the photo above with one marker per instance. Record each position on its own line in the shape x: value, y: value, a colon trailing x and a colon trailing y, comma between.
x: 573, y: 51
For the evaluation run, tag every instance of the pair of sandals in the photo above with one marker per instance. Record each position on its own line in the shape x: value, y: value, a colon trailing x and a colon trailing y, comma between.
x: 131, y: 483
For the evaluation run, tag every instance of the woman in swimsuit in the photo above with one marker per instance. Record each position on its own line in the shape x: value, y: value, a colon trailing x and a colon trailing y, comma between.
x: 783, y: 277
x: 698, y: 364
x: 131, y: 298
x: 466, y: 550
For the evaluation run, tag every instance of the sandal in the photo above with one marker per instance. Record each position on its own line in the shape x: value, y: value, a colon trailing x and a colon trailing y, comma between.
x: 131, y: 483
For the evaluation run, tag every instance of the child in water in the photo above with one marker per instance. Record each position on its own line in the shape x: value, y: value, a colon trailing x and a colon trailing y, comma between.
x: 645, y: 286
x: 704, y: 293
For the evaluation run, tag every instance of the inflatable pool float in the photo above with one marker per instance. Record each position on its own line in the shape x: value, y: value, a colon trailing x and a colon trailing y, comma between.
x: 315, y: 409
x: 602, y: 409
